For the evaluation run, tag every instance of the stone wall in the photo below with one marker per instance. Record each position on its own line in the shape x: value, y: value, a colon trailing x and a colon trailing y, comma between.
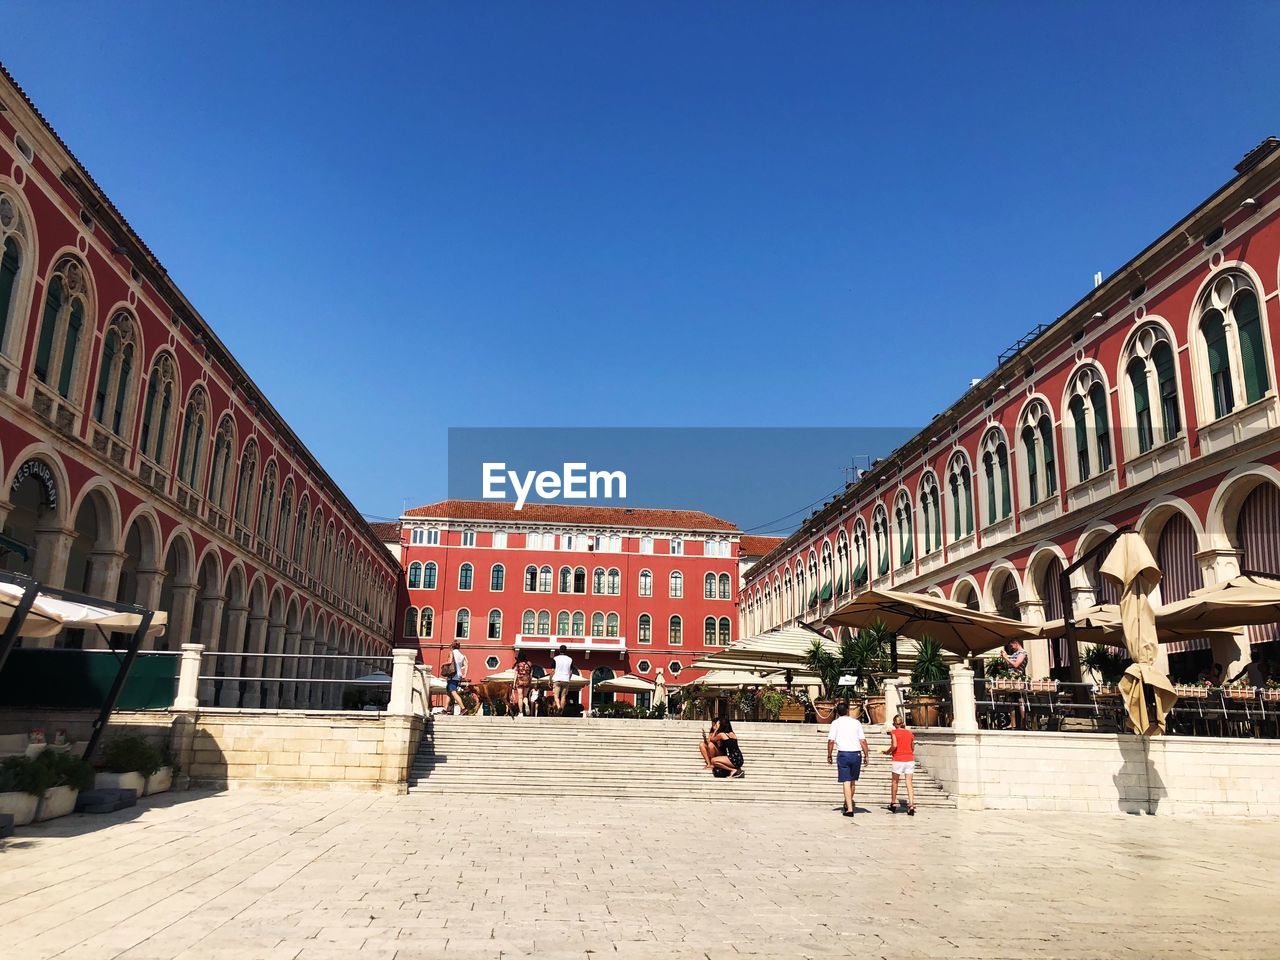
x: 1105, y: 773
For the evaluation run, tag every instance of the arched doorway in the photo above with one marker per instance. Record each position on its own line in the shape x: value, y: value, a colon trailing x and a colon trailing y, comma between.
x: 1051, y: 598
x: 1176, y: 550
x: 1258, y: 539
x: 34, y: 516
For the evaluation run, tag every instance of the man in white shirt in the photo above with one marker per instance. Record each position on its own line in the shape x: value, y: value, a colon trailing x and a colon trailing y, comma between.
x: 561, y: 676
x: 849, y: 741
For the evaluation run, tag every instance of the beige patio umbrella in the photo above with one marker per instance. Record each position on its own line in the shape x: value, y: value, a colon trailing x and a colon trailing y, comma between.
x: 1244, y: 601
x: 954, y: 626
x: 1101, y: 623
x: 1131, y: 566
x: 50, y: 615
x: 626, y: 684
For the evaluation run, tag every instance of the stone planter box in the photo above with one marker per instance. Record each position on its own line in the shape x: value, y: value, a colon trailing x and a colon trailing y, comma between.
x: 159, y: 782
x: 121, y: 781
x: 56, y: 802
x: 21, y: 806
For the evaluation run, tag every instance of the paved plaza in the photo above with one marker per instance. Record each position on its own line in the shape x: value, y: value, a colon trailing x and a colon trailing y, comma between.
x: 309, y: 875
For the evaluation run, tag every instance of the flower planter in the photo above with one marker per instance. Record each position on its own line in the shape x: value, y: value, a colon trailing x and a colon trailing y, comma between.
x: 792, y: 713
x: 1009, y: 685
x: 875, y: 710
x: 1191, y: 692
x: 924, y: 712
x: 121, y: 781
x: 824, y: 710
x: 1240, y: 693
x: 160, y: 781
x: 56, y: 802
x: 21, y: 806
x: 1044, y: 686
x: 1271, y: 694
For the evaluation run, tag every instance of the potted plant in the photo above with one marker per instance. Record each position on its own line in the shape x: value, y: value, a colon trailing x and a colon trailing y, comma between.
x: 1271, y: 691
x: 162, y: 779
x: 1107, y: 665
x: 127, y: 762
x: 22, y: 783
x: 826, y: 666
x: 866, y: 654
x: 69, y: 775
x: 927, y: 672
x: 1239, y: 690
x: 771, y: 704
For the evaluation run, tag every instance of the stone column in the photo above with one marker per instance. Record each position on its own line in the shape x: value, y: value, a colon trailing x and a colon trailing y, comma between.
x: 150, y: 582
x: 402, y: 667
x: 255, y: 643
x: 316, y: 692
x: 1217, y: 565
x: 104, y: 573
x: 207, y: 632
x: 1032, y: 613
x: 184, y: 601
x: 963, y: 704
x: 289, y: 667
x: 232, y: 666
x: 188, y: 697
x: 303, y: 689
x: 52, y: 553
x: 892, y: 700
x: 271, y: 666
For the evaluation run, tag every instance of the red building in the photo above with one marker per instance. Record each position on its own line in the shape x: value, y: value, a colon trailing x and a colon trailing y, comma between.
x: 1151, y: 403
x: 141, y: 463
x: 626, y: 590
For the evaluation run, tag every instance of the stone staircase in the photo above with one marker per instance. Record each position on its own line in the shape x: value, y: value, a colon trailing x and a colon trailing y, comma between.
x: 641, y: 759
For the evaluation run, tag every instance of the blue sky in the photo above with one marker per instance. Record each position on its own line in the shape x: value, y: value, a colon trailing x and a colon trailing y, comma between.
x: 409, y: 217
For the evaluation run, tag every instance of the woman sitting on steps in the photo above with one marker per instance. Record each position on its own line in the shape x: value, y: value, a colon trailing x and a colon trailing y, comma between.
x: 720, y: 751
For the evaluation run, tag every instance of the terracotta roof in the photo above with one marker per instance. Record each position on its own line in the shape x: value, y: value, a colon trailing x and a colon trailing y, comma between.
x: 388, y: 532
x: 757, y: 546
x: 560, y: 513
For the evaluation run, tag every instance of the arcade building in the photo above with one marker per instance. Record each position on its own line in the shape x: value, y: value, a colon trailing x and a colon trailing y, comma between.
x: 140, y: 463
x: 626, y: 590
x: 1150, y: 404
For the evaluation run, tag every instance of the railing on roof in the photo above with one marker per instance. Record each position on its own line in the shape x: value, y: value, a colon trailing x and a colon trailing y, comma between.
x: 1021, y: 343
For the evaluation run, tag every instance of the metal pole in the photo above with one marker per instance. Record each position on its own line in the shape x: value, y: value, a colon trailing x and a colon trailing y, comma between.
x: 1064, y: 587
x: 118, y: 684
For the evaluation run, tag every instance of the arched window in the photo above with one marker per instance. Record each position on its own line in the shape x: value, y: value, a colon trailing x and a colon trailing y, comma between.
x: 842, y: 564
x: 426, y: 623
x: 411, y: 622
x: 286, y: 514
x: 544, y: 622
x: 726, y: 630
x: 562, y: 623
x: 930, y: 514
x: 415, y: 575
x: 497, y: 578
x: 67, y: 319
x: 544, y: 579
x: 300, y: 527
x: 995, y: 473
x: 960, y: 489
x: 1090, y: 424
x: 675, y: 636
x: 709, y: 586
x: 1232, y: 345
x: 220, y: 468
x: 579, y: 627
x: 462, y: 628
x: 267, y: 502
x: 646, y: 583
x: 430, y: 572
x: 676, y: 586
x: 906, y: 533
x: 726, y: 587
x: 157, y: 410
x: 495, y: 624
x: 466, y: 573
x: 614, y: 583
x: 244, y: 483
x: 566, y: 580
x: 597, y: 624
x: 114, y: 388
x: 1152, y: 384
x: 861, y: 554
x: 646, y: 544
x: 611, y: 625
x: 529, y: 623
x: 191, y: 446
x: 13, y: 241
x: 530, y: 579
x: 597, y: 580
x: 880, y: 527
x: 644, y: 629
x: 1041, y: 470
x: 580, y: 580
x: 709, y: 631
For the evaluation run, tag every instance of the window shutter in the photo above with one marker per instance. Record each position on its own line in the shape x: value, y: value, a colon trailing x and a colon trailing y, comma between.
x: 8, y: 281
x: 1167, y: 382
x: 1141, y: 403
x: 1253, y: 359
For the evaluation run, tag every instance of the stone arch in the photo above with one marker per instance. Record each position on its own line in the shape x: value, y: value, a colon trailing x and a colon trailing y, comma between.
x: 93, y: 560
x: 1002, y: 583
x: 1042, y: 556
x: 37, y: 513
x: 965, y: 591
x: 1224, y: 509
x: 1157, y: 513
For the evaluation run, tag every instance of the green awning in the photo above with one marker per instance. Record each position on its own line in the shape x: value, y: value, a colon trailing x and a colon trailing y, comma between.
x: 860, y: 574
x: 826, y: 591
x: 840, y: 585
x: 813, y: 597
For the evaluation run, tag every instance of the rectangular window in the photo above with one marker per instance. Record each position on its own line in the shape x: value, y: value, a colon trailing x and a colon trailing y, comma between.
x: 646, y: 544
x: 677, y: 547
x: 500, y: 539
x: 468, y: 538
x: 433, y: 537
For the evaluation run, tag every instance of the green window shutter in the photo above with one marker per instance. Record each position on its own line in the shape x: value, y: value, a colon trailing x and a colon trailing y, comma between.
x: 1141, y: 403
x: 860, y: 574
x: 1101, y: 425
x: 74, y: 322
x: 1167, y: 382
x: 1006, y: 494
x: 966, y: 481
x: 989, y: 470
x: 1253, y: 357
x: 1033, y: 482
x: 52, y: 307
x: 1076, y: 407
x: 9, y: 264
x: 826, y: 591
x: 1050, y: 465
x: 104, y: 376
x: 1215, y: 344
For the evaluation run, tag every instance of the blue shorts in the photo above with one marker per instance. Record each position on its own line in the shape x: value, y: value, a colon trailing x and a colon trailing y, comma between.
x: 849, y: 765
x: 453, y: 683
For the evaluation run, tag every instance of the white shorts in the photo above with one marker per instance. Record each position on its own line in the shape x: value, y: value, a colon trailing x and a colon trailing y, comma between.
x: 904, y: 768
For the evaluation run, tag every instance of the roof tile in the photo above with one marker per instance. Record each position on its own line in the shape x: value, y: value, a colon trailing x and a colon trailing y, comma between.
x: 630, y: 517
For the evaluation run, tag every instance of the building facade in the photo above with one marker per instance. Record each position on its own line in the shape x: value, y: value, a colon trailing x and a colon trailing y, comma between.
x: 140, y: 463
x: 1150, y: 404
x: 626, y: 590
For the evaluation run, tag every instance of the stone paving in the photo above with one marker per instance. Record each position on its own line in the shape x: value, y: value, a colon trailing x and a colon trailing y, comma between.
x: 251, y: 875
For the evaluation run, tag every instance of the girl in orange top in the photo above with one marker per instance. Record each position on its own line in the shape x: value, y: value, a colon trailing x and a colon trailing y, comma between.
x: 902, y: 752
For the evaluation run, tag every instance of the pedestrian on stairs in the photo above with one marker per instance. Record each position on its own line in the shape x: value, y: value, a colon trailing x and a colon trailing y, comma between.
x: 455, y: 671
x: 561, y: 677
x: 520, y: 703
x: 849, y: 741
x: 902, y: 754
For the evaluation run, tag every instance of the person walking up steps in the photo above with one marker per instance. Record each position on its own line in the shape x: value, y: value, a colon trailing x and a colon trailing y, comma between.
x: 521, y: 705
x: 849, y: 741
x: 455, y: 672
x: 902, y: 753
x: 561, y: 677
